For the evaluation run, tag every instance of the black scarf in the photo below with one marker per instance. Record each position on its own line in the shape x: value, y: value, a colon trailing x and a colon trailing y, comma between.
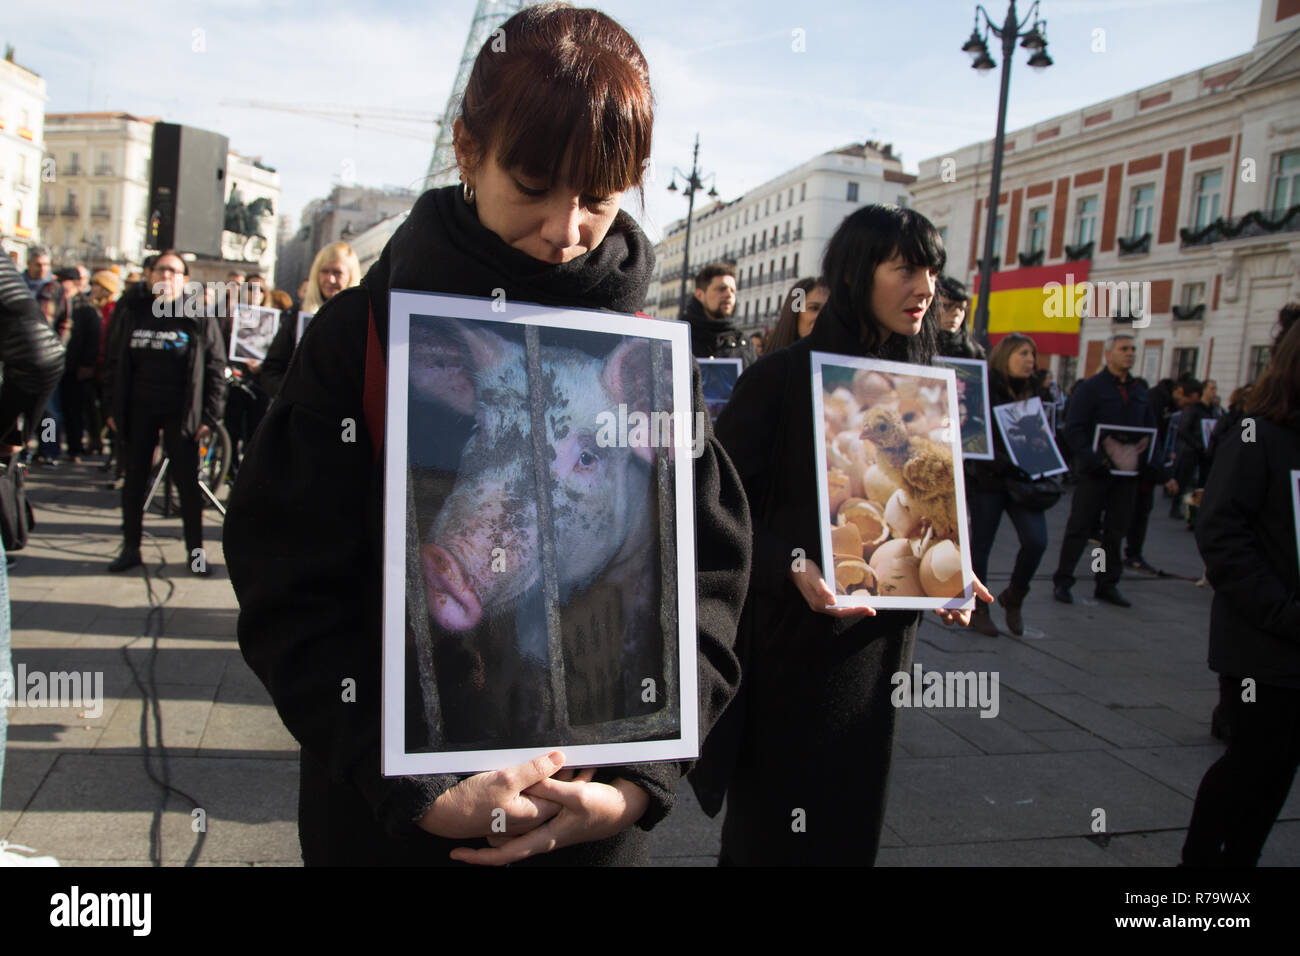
x: 442, y: 247
x: 711, y: 336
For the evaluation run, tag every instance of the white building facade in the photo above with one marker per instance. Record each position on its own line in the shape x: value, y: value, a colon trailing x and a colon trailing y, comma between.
x: 22, y: 124
x: 1191, y: 184
x: 777, y: 233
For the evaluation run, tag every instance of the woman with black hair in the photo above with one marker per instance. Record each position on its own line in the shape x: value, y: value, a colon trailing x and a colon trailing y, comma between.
x: 803, y: 754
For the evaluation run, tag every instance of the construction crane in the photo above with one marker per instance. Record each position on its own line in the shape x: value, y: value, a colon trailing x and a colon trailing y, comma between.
x: 377, y: 118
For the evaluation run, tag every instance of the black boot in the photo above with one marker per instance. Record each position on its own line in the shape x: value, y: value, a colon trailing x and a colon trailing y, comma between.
x: 981, y: 621
x: 1011, y: 599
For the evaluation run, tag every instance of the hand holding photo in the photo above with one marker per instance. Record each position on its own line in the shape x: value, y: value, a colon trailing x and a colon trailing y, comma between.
x: 539, y: 516
x: 891, y: 494
x: 1123, y: 447
x: 1029, y: 438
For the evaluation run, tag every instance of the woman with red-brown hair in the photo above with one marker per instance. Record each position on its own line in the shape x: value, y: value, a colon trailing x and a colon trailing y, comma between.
x: 553, y: 130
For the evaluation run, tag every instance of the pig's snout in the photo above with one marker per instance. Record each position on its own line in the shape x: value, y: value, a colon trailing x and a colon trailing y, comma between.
x: 452, y: 601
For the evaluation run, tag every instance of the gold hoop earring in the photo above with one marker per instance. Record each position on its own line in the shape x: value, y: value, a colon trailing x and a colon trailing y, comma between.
x: 468, y: 190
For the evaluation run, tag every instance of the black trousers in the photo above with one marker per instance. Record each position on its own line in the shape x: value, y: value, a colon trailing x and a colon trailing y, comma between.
x: 1137, y: 531
x: 1117, y: 498
x: 1242, y: 794
x: 74, y: 422
x: 143, y: 426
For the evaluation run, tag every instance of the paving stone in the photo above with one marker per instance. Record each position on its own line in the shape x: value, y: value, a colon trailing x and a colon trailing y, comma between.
x: 1022, y: 713
x: 1077, y: 851
x: 990, y: 735
x: 938, y: 801
x: 1102, y: 721
x: 183, y: 722
x: 1068, y: 741
x: 243, y: 728
x: 923, y: 736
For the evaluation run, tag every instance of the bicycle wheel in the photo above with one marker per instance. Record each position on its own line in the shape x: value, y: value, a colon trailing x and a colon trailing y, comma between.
x: 214, y: 462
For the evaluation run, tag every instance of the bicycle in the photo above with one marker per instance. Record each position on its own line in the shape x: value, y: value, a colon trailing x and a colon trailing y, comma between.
x: 214, y: 466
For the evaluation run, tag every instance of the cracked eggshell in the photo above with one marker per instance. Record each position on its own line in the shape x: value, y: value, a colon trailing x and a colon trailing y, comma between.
x: 851, y: 573
x: 897, y: 569
x: 941, y: 571
x: 846, y: 541
x: 872, y: 388
x: 868, y: 518
x: 902, y: 519
x: 837, y: 488
x: 878, y: 486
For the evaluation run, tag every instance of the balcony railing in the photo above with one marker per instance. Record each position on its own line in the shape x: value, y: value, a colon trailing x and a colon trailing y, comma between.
x: 1189, y: 313
x: 1139, y: 246
x: 73, y: 169
x: 45, y: 211
x: 1079, y: 252
x: 100, y: 212
x: 103, y: 170
x: 1256, y: 223
x: 71, y: 212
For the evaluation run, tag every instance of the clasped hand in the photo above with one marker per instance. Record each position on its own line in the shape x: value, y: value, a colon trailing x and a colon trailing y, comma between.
x: 542, y: 806
x: 819, y: 596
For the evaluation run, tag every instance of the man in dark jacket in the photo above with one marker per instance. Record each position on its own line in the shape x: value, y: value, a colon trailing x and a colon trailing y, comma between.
x: 1167, y: 397
x: 714, y: 332
x: 82, y: 354
x: 1111, y: 397
x: 953, y: 339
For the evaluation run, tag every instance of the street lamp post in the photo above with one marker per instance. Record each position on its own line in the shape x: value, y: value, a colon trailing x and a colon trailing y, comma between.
x: 694, y: 182
x: 1034, y: 39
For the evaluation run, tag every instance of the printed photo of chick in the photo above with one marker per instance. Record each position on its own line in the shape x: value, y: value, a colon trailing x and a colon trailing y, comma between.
x: 922, y: 468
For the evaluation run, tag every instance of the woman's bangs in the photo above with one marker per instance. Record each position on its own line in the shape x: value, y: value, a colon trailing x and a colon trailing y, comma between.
x: 920, y: 244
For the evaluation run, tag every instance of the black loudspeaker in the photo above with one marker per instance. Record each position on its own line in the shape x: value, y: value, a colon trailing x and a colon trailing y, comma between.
x: 187, y: 189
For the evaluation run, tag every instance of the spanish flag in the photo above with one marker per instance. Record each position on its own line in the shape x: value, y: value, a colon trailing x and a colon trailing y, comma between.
x: 1040, y: 302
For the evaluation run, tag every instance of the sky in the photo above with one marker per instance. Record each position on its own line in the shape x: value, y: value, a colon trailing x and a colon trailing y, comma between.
x: 728, y: 70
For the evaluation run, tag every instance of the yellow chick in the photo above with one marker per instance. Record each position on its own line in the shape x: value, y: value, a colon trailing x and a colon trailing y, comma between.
x: 922, y: 468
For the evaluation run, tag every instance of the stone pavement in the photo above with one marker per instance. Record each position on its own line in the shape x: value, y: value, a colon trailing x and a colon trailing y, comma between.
x: 1100, y: 707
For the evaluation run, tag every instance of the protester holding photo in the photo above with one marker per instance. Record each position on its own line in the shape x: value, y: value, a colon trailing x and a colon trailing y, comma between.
x: 550, y: 136
x: 1111, y: 397
x: 953, y: 338
x: 166, y: 372
x: 1247, y: 535
x: 334, y: 269
x: 1011, y: 379
x: 813, y: 727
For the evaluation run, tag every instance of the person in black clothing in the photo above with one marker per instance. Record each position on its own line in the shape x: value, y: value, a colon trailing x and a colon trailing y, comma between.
x: 1111, y: 397
x: 1011, y: 368
x: 538, y: 217
x: 711, y: 314
x: 167, y: 372
x: 1166, y: 397
x: 953, y: 338
x: 82, y: 354
x: 813, y: 726
x: 1246, y: 535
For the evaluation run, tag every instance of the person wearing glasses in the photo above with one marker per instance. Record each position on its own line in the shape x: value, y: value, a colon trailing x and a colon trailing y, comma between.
x: 165, y: 373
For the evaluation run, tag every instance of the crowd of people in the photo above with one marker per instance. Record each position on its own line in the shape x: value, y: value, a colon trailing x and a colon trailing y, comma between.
x: 794, y: 687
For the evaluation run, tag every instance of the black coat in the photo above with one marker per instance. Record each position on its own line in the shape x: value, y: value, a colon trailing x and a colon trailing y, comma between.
x: 1103, y: 399
x: 1246, y: 531
x: 813, y: 726
x: 83, y: 343
x: 31, y: 355
x: 716, y: 338
x: 205, y: 399
x: 959, y: 345
x: 304, y: 537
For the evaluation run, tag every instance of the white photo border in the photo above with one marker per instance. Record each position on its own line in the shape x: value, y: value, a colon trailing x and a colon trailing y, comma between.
x: 303, y: 319
x: 966, y: 600
x: 396, y: 761
x: 1151, y: 448
x: 236, y: 328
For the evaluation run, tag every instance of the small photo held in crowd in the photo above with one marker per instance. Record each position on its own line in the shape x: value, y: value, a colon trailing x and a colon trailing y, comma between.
x: 972, y: 405
x: 717, y: 379
x: 1029, y: 438
x: 1295, y: 508
x: 1050, y: 411
x: 1124, y: 447
x: 890, y: 489
x: 303, y: 319
x: 539, y: 537
x: 1207, y: 429
x: 252, y: 329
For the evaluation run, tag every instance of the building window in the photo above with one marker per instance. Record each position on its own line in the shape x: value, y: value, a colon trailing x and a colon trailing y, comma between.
x: 795, y: 266
x: 1193, y: 294
x: 1037, y: 229
x: 74, y: 164
x: 997, y: 237
x: 789, y: 199
x: 803, y: 191
x: 1185, y: 362
x: 767, y: 207
x: 852, y: 193
x: 1259, y: 356
x: 1205, y: 201
x: 778, y: 202
x: 746, y: 222
x: 1143, y: 206
x: 900, y: 201
x: 1085, y: 229
x: 1286, y: 181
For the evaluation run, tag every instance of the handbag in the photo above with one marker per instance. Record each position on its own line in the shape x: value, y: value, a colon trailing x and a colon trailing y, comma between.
x: 16, y: 518
x: 1032, y: 494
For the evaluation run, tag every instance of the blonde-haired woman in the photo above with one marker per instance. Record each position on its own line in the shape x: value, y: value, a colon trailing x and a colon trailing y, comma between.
x: 334, y: 269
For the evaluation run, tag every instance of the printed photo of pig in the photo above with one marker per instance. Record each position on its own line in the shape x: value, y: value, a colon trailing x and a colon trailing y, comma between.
x: 549, y: 618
